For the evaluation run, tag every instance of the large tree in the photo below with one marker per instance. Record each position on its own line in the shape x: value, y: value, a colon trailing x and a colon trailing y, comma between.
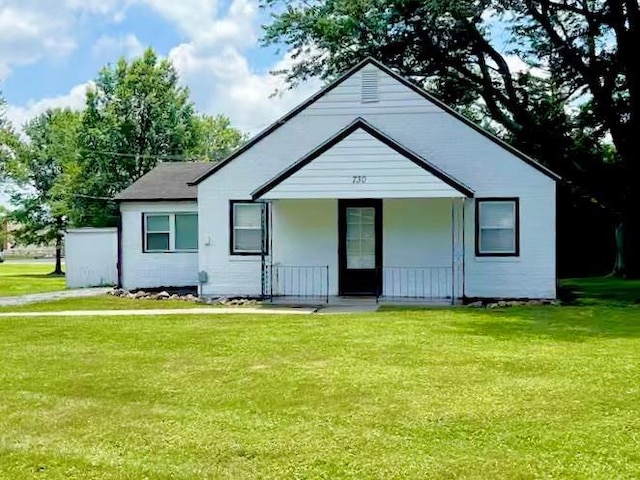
x: 136, y: 115
x: 215, y: 138
x: 40, y: 208
x: 584, y: 50
x: 8, y: 140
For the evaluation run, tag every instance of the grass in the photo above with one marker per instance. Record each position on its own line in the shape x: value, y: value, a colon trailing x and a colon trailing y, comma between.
x: 518, y: 393
x: 602, y: 291
x: 101, y: 302
x: 25, y: 278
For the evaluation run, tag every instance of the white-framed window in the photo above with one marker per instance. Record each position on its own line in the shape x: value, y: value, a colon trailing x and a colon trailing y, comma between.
x: 246, y: 225
x: 497, y: 227
x: 170, y: 232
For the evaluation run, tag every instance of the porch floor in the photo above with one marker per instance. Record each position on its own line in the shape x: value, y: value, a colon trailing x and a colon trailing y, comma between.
x: 349, y: 303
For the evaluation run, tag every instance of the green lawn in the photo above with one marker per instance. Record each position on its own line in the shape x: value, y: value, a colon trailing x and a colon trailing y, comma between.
x: 521, y: 393
x: 602, y: 291
x: 101, y: 302
x: 24, y: 278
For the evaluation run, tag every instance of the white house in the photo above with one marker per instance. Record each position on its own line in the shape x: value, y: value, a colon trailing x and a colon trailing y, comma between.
x: 370, y: 187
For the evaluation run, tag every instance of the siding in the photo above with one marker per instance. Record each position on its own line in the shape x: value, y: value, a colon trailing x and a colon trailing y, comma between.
x: 154, y: 270
x: 361, y: 166
x: 416, y: 234
x: 91, y: 257
x: 452, y: 146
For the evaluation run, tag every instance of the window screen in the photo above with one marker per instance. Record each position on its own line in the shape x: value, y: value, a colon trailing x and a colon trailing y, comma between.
x: 497, y: 227
x: 246, y: 228
x: 158, y: 233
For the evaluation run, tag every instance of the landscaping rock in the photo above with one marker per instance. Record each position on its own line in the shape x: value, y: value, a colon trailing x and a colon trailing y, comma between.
x: 477, y: 304
x: 163, y: 295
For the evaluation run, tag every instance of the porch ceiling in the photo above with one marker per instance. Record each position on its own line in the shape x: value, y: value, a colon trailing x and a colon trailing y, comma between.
x: 362, y: 162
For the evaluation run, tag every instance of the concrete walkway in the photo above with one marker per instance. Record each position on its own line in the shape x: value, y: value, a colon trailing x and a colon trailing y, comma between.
x: 167, y: 311
x: 49, y: 296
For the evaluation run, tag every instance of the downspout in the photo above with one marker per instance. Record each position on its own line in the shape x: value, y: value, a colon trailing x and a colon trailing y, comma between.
x: 453, y: 251
x: 464, y: 248
x: 119, y: 253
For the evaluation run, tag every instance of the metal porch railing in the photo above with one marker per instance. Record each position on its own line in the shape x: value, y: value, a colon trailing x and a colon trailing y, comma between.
x: 297, y: 282
x: 417, y: 283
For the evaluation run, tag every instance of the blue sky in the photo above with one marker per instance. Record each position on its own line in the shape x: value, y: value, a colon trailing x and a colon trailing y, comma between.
x: 51, y: 50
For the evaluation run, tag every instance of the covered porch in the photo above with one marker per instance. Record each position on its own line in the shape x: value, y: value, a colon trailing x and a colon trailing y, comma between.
x: 407, y: 250
x: 362, y: 216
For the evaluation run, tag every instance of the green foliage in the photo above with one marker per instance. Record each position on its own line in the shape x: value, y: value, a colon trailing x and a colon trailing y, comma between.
x: 136, y: 114
x: 4, y: 213
x: 215, y: 138
x: 40, y: 206
x: 9, y: 141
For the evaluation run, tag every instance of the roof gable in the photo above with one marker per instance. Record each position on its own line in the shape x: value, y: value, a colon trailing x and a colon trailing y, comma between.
x: 418, y: 178
x: 370, y: 61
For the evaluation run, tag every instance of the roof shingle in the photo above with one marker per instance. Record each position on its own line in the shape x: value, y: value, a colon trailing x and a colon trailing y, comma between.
x: 167, y: 181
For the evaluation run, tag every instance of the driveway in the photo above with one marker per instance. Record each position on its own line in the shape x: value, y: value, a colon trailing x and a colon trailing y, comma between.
x: 49, y: 296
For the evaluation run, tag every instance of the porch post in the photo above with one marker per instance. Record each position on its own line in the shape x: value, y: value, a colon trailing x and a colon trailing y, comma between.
x: 457, y: 248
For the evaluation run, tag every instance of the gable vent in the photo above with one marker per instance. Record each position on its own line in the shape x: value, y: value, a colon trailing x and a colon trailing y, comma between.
x: 370, y: 86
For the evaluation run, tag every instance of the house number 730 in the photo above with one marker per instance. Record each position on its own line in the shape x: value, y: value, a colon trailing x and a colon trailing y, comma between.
x: 359, y: 179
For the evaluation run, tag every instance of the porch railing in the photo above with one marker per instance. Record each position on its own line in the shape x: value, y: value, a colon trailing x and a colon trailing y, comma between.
x: 295, y: 281
x: 418, y: 283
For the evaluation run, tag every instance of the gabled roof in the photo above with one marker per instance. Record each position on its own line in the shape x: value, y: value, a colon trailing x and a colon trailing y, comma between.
x: 167, y: 181
x: 361, y: 124
x: 370, y: 61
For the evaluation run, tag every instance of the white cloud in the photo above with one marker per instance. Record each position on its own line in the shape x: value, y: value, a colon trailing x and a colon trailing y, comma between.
x: 214, y: 65
x: 212, y: 61
x: 74, y: 99
x: 33, y: 30
x: 27, y: 35
x: 113, y: 47
x: 517, y: 65
x: 225, y: 83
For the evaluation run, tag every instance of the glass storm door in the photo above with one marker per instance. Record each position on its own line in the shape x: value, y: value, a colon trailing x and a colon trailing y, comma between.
x: 360, y: 247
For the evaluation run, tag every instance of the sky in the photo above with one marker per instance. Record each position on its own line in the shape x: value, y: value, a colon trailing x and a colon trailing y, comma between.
x: 51, y: 50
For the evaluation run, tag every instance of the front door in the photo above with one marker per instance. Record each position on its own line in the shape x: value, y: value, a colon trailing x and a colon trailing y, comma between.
x: 360, y: 247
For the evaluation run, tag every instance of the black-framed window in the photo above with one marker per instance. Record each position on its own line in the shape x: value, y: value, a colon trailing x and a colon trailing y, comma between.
x: 497, y: 227
x: 247, y: 220
x: 170, y: 232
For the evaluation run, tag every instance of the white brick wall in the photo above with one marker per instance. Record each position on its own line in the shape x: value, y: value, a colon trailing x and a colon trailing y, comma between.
x: 154, y: 270
x: 424, y: 128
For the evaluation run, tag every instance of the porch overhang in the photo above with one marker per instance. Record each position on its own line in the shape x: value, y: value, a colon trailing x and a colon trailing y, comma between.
x: 360, y: 161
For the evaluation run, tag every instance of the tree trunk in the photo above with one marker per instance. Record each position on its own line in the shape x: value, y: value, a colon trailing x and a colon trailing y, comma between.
x: 58, y: 270
x: 619, y: 266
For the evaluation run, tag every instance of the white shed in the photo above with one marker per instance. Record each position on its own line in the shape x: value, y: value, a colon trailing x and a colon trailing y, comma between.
x: 91, y: 257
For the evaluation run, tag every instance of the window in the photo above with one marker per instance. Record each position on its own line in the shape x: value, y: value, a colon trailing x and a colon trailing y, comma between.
x: 246, y: 228
x: 170, y: 232
x: 497, y: 227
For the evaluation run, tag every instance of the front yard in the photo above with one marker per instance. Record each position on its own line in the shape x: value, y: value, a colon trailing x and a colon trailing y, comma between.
x: 548, y: 392
x: 17, y: 278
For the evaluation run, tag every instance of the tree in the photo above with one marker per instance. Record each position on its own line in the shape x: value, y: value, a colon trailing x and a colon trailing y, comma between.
x: 215, y: 138
x: 8, y: 139
x: 585, y: 47
x: 3, y: 227
x: 40, y: 210
x: 136, y: 115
